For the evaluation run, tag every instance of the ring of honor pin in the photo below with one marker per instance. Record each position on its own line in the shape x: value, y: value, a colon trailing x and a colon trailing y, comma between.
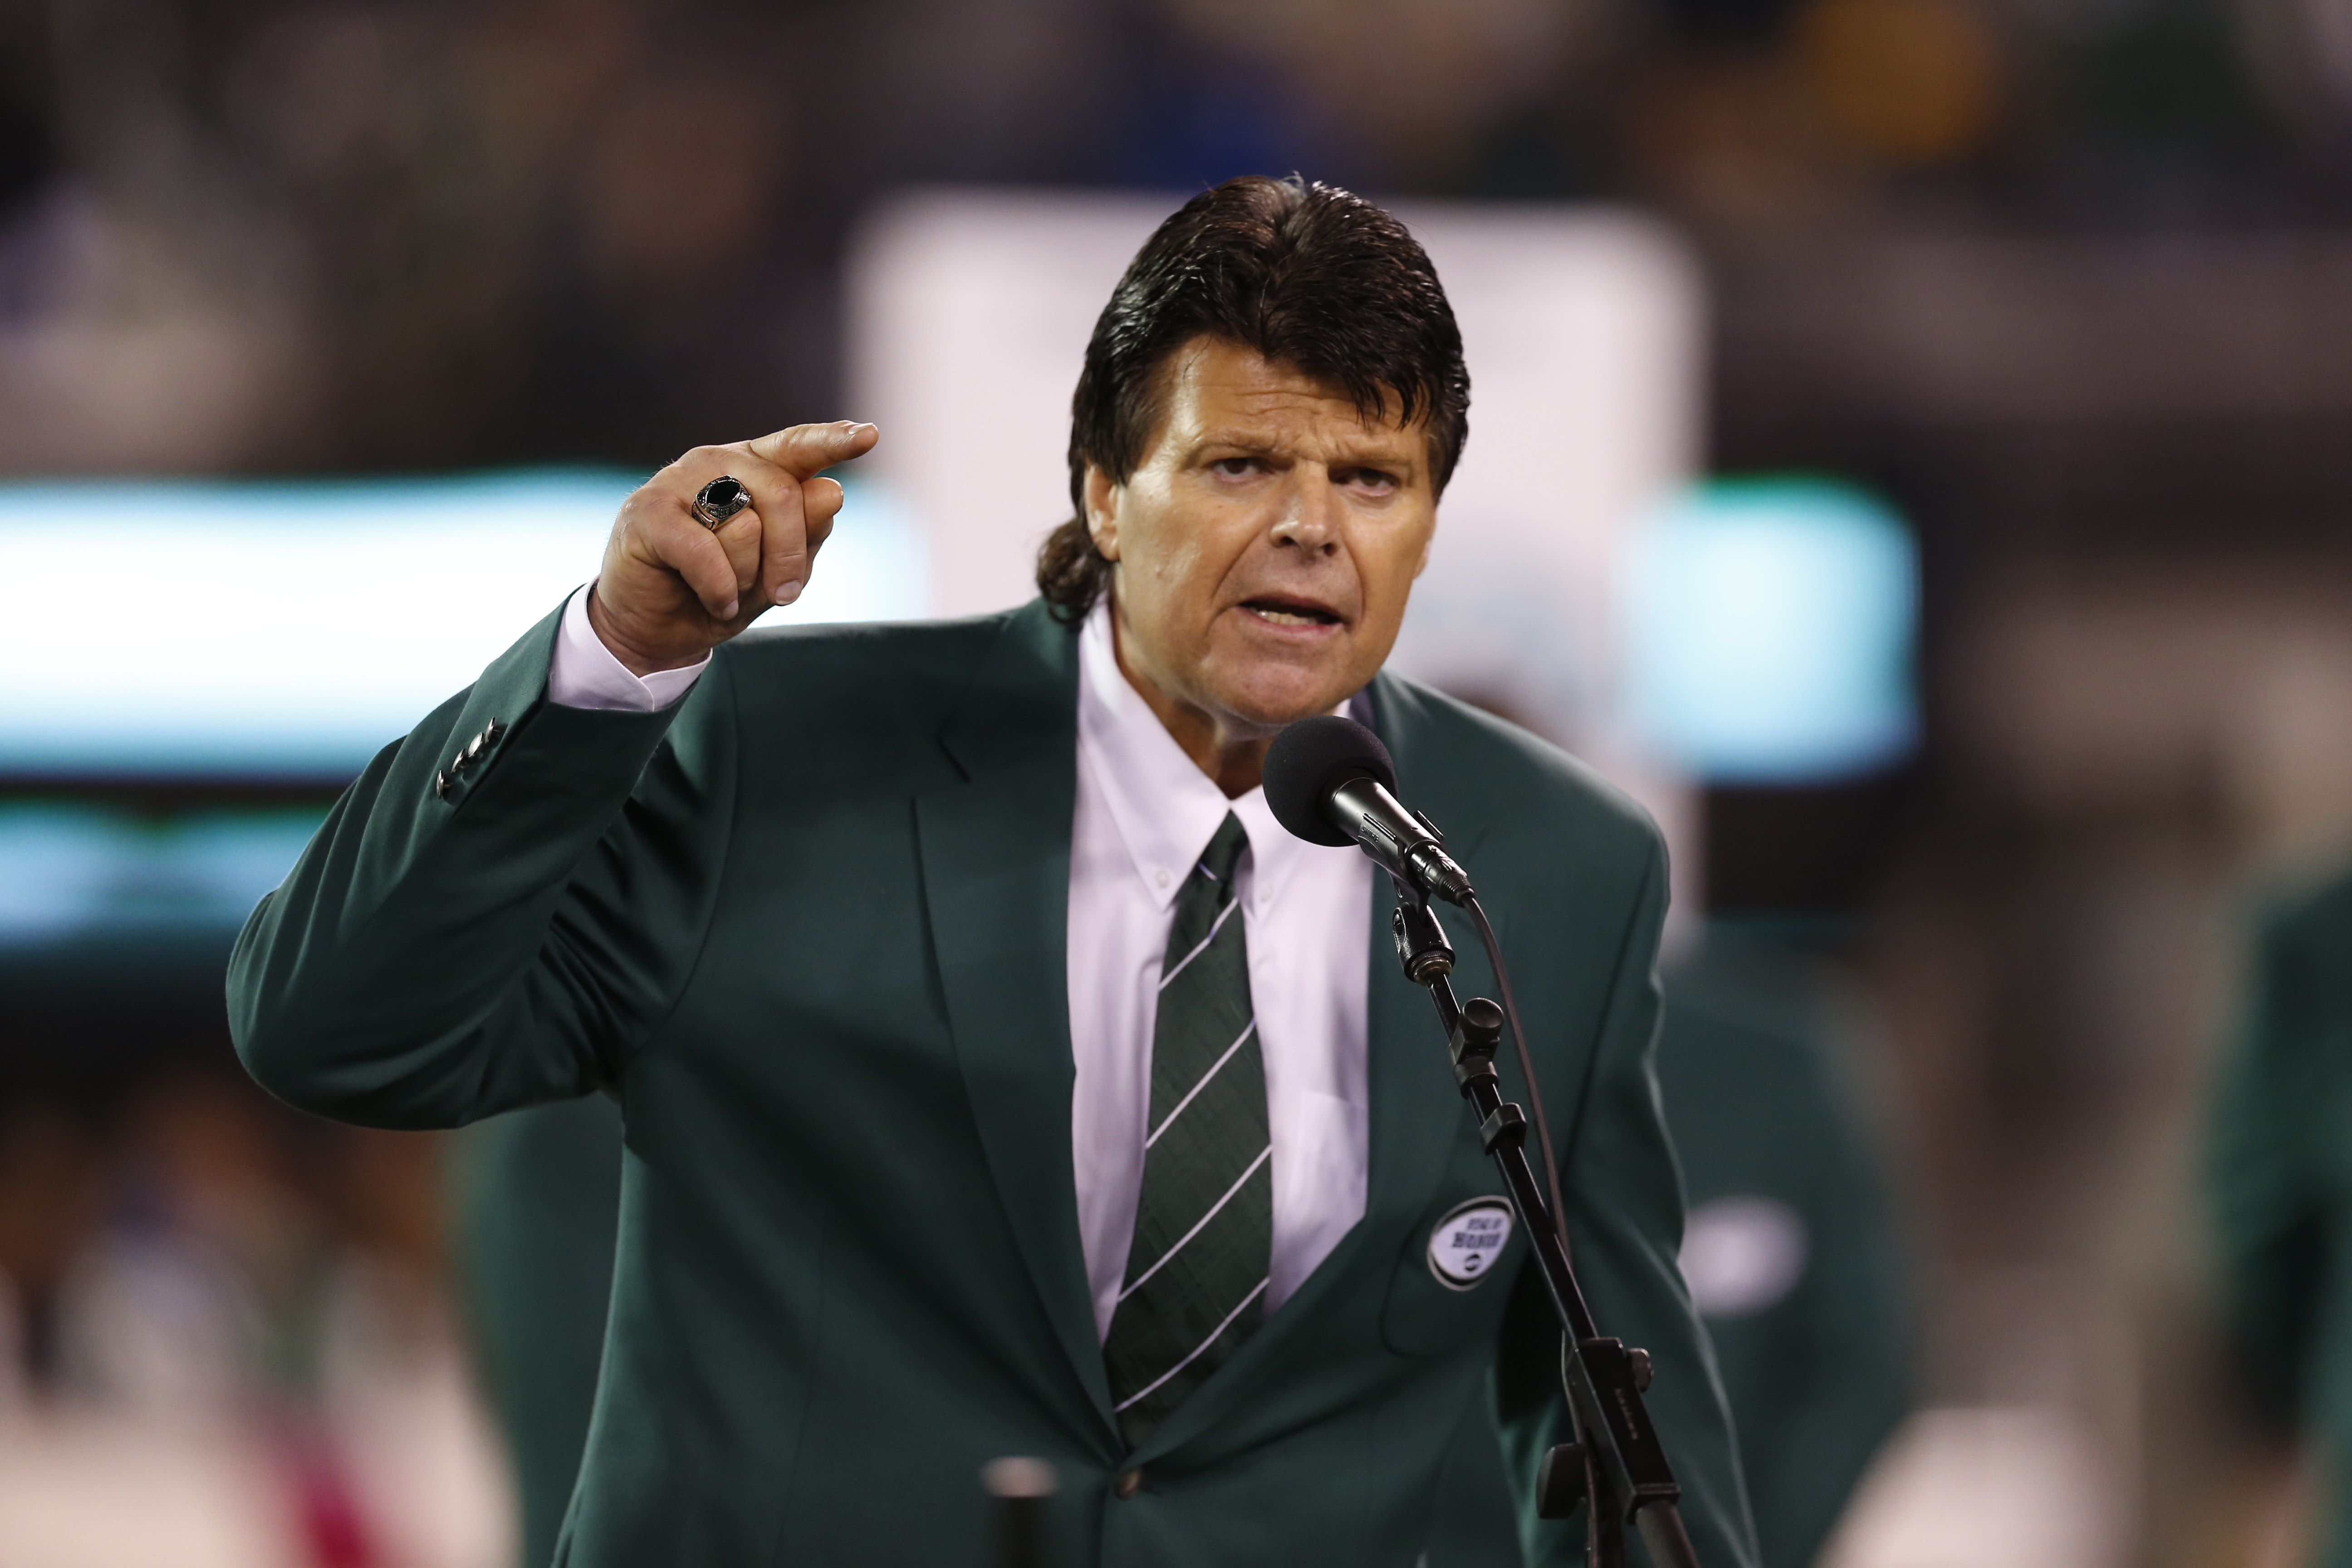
x: 1463, y: 1246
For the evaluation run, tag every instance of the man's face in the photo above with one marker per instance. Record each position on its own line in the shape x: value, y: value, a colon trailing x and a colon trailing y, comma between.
x: 1266, y: 544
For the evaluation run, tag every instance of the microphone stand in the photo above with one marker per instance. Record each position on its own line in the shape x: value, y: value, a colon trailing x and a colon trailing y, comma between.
x: 1615, y: 1462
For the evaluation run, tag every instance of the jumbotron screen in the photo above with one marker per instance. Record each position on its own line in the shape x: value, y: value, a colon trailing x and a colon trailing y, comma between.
x: 258, y: 629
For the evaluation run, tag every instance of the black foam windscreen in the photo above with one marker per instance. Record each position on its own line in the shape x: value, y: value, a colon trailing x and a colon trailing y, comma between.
x: 1311, y: 758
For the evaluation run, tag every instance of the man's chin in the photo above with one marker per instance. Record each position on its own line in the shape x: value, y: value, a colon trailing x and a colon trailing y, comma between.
x: 1279, y: 699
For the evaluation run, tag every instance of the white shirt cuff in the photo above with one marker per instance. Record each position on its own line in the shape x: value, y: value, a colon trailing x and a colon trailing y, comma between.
x: 584, y: 674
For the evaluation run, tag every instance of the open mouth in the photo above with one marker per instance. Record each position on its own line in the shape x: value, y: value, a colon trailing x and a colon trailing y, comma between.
x: 1290, y: 611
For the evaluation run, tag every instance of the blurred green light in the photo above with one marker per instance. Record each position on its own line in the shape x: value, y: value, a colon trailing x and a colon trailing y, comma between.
x: 1769, y: 626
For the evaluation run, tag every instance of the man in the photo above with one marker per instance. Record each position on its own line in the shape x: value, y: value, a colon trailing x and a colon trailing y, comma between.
x: 962, y: 1117
x: 2281, y: 1190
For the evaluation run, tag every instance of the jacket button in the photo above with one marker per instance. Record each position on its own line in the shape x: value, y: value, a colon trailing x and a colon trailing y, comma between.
x: 1128, y: 1483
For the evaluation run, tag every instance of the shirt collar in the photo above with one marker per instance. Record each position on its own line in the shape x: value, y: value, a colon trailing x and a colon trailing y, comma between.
x: 1165, y: 807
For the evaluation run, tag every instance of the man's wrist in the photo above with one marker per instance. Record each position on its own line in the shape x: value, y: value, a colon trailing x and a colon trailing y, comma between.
x: 637, y: 660
x: 585, y: 672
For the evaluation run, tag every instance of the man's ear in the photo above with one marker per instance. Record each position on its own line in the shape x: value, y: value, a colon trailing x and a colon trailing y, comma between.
x: 1102, y: 511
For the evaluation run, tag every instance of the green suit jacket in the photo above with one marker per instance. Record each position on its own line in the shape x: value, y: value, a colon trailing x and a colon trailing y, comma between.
x: 2281, y: 1177
x: 809, y: 927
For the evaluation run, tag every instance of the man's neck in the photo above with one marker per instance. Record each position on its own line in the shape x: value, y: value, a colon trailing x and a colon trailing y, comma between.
x: 1234, y: 761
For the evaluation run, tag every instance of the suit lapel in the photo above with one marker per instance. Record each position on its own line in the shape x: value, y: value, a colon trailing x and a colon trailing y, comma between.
x: 996, y: 875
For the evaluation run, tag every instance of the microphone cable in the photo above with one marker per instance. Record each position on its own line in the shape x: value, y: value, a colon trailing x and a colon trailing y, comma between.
x: 1526, y: 1064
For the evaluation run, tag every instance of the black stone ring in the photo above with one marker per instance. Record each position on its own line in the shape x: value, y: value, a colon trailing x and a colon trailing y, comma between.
x: 719, y: 500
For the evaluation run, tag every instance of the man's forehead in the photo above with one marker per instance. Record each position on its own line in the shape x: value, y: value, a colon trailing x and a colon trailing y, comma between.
x: 1224, y: 394
x: 1391, y: 441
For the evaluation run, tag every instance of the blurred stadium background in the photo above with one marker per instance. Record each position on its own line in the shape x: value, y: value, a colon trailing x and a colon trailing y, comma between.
x: 1936, y: 441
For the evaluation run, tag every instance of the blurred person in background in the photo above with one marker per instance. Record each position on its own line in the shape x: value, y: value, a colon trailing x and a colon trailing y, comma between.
x: 2279, y: 1182
x: 51, y: 1203
x: 1791, y: 1249
x: 816, y: 1339
x: 536, y: 1195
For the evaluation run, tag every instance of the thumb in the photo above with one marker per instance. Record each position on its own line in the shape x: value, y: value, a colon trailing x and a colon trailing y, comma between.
x: 805, y: 450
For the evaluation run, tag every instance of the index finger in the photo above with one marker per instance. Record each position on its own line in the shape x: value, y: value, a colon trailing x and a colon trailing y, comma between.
x: 805, y: 450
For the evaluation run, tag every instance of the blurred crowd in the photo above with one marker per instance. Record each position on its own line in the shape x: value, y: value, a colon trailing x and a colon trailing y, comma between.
x: 225, y: 1339
x: 2067, y: 280
x: 399, y: 233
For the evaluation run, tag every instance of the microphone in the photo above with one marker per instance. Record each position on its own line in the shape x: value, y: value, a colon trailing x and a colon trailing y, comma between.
x: 1021, y: 1487
x: 1329, y: 780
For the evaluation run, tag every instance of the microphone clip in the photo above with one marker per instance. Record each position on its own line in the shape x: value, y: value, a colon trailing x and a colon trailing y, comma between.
x: 1420, y: 945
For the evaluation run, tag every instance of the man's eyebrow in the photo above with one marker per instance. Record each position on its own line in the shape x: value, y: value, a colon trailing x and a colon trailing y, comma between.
x: 1350, y: 456
x: 1405, y: 454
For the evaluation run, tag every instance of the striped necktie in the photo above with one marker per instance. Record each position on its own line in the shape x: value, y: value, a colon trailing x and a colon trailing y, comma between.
x: 1196, y: 1272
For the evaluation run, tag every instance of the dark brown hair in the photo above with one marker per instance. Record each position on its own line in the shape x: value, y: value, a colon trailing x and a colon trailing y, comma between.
x: 1304, y: 275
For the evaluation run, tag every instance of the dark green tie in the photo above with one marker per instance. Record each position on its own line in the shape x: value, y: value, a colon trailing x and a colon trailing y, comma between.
x: 1196, y: 1273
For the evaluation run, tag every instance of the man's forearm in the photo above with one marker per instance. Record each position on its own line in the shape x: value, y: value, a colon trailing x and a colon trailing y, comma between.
x: 441, y: 951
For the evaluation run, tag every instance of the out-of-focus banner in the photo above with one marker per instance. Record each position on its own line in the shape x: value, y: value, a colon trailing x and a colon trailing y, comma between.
x: 67, y: 870
x: 250, y: 629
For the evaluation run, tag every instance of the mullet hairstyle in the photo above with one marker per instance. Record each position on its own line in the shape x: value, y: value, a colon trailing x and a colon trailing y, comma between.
x: 1306, y: 276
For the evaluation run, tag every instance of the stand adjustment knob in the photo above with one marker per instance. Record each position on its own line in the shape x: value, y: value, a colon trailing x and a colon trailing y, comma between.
x: 1559, y: 1482
x: 1482, y: 1026
x: 1507, y: 1125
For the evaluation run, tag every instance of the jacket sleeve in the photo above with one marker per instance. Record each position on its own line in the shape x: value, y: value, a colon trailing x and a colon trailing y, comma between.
x: 458, y: 940
x: 1624, y: 1196
x: 2270, y: 1209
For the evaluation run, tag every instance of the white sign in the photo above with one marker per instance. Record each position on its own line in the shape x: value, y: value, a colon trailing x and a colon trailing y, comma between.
x: 295, y: 626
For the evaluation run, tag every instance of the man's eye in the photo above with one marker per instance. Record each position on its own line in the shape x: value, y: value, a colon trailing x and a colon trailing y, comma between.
x: 1234, y: 468
x: 1372, y: 478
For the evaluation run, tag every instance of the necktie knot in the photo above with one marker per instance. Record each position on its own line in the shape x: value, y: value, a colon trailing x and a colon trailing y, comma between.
x: 1224, y: 852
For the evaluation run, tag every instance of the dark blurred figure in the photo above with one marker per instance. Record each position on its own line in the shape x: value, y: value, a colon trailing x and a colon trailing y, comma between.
x: 2281, y: 1188
x: 1791, y: 1253
x: 538, y: 1197
x: 1791, y: 1249
x: 50, y: 1204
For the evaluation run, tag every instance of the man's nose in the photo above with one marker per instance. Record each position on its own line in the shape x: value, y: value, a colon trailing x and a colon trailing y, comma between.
x: 1309, y: 519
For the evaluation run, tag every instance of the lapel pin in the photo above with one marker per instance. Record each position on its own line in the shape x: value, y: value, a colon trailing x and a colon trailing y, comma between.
x: 1463, y: 1246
